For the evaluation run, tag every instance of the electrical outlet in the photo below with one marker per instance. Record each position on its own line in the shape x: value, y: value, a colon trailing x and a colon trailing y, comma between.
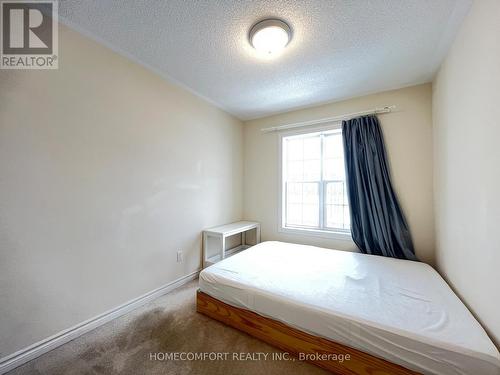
x: 179, y: 256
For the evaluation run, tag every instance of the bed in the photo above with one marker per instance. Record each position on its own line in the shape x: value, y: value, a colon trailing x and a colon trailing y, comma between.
x: 391, y: 316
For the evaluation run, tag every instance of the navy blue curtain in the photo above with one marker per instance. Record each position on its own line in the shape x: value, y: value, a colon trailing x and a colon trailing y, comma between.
x: 378, y: 224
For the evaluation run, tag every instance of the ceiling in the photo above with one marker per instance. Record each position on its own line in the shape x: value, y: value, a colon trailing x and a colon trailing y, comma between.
x: 340, y: 49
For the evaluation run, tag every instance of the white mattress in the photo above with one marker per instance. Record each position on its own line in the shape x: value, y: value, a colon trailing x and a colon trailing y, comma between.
x: 399, y: 310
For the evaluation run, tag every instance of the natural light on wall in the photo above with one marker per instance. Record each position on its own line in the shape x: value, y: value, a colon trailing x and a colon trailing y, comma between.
x: 314, y: 193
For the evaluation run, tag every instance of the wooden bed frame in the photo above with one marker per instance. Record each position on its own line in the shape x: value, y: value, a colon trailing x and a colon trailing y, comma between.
x: 294, y: 341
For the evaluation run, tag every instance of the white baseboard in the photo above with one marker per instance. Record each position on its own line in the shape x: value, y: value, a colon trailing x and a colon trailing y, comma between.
x: 27, y: 354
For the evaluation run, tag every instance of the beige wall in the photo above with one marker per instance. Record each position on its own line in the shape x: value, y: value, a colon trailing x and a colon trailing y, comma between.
x: 466, y: 111
x: 408, y: 135
x: 106, y: 171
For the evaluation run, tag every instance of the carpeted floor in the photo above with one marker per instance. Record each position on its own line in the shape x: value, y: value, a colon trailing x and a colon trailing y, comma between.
x: 166, y: 325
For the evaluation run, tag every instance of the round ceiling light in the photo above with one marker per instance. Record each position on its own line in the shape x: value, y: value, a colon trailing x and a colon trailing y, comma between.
x: 270, y: 36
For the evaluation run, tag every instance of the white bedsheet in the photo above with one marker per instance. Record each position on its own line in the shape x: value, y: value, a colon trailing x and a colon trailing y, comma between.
x: 399, y: 310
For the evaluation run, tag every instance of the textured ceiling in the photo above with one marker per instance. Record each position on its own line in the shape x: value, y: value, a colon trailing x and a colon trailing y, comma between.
x: 340, y: 49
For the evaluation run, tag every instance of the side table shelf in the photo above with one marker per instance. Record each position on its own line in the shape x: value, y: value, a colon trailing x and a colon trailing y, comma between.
x: 214, y: 240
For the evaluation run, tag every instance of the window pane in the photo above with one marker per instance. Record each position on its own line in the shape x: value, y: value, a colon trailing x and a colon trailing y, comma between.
x: 293, y: 214
x: 333, y: 169
x: 295, y: 171
x: 310, y: 215
x: 312, y: 170
x: 312, y: 148
x: 337, y: 208
x: 294, y: 149
x: 302, y: 204
x: 294, y: 193
x: 335, y: 217
x: 333, y: 157
x: 310, y: 194
x: 332, y: 146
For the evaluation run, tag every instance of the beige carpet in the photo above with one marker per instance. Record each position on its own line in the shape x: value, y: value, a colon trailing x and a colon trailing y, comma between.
x: 168, y: 324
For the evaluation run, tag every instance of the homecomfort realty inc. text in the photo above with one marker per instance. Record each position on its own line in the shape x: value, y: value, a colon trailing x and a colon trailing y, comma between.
x: 246, y: 356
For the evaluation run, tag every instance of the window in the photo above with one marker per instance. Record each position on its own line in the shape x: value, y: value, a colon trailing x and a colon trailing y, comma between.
x: 314, y: 192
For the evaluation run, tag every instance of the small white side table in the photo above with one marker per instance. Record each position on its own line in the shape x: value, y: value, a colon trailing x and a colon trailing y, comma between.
x: 214, y: 240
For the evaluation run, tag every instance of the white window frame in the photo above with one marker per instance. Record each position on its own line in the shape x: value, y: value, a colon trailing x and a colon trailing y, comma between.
x: 330, y: 234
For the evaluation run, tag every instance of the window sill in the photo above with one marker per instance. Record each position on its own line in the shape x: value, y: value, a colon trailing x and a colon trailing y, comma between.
x: 343, y: 236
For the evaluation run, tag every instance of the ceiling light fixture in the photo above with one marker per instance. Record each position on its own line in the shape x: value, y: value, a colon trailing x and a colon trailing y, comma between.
x: 270, y: 36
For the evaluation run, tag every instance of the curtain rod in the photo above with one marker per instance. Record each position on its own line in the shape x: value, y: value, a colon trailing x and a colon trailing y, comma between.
x: 386, y: 109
